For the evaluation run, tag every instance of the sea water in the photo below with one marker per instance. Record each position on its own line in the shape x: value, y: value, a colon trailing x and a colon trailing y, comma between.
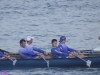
x: 78, y: 20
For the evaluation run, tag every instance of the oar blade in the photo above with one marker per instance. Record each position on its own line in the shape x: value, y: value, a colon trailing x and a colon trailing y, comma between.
x: 48, y: 64
x: 14, y: 62
x: 88, y: 63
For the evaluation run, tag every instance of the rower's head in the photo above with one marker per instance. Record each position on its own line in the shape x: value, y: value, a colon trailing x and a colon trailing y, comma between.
x: 62, y: 39
x: 54, y: 43
x: 23, y: 43
x: 99, y: 37
x: 29, y: 40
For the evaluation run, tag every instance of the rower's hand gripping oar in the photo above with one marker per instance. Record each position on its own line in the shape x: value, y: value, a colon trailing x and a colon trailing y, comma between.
x: 88, y: 62
x: 14, y: 61
x: 45, y: 61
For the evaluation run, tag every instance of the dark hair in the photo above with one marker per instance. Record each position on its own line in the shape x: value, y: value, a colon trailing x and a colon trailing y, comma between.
x: 54, y: 40
x: 22, y: 40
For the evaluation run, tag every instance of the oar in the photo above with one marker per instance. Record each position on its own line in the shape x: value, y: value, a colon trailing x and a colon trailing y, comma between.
x: 88, y: 62
x: 45, y: 61
x: 14, y: 61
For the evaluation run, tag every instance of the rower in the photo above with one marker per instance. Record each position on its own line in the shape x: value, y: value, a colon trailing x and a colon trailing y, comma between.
x: 70, y: 53
x: 6, y: 52
x: 55, y: 51
x: 54, y: 47
x: 29, y: 44
x: 2, y: 55
x: 5, y: 55
x: 26, y: 51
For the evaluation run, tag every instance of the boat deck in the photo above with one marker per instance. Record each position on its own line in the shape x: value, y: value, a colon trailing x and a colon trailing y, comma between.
x: 88, y: 53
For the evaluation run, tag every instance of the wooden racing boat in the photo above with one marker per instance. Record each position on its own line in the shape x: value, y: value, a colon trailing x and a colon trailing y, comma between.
x: 93, y: 56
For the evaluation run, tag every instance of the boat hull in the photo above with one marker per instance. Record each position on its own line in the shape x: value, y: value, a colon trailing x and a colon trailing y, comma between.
x: 40, y: 63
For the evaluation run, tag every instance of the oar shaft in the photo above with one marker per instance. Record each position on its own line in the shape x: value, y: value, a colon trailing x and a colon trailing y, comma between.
x: 9, y: 58
x: 88, y: 63
x: 82, y: 59
x: 14, y: 61
x: 45, y: 60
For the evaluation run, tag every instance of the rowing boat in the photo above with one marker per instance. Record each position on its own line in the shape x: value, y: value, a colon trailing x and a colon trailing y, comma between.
x: 53, y: 62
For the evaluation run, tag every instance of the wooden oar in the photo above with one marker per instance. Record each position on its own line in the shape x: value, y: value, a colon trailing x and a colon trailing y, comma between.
x: 45, y: 61
x: 88, y: 62
x: 14, y: 61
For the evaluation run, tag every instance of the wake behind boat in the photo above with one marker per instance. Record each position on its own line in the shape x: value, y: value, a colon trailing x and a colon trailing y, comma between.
x: 94, y: 56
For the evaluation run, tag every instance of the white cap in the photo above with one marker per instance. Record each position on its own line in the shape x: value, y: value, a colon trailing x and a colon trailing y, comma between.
x: 29, y: 38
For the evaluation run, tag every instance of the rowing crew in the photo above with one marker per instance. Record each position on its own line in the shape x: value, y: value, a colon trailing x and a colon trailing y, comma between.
x: 62, y: 51
x: 28, y: 51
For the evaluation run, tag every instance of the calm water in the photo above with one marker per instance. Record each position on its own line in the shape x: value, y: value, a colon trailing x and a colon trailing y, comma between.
x: 78, y: 20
